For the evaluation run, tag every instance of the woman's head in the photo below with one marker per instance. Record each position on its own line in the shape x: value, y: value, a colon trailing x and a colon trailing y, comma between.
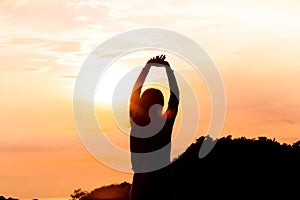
x: 151, y: 97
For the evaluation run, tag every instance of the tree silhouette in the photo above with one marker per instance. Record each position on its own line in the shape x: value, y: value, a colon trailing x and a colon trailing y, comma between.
x: 79, y: 194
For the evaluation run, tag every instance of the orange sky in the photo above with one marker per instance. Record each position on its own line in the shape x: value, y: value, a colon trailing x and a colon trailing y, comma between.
x: 43, y: 44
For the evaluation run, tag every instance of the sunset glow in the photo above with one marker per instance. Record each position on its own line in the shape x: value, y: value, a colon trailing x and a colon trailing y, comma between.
x: 43, y: 44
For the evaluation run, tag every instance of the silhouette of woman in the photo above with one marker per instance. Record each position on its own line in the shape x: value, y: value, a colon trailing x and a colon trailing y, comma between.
x: 151, y: 130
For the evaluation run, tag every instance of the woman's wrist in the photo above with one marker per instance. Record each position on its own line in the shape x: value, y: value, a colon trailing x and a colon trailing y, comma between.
x: 169, y: 69
x: 147, y: 67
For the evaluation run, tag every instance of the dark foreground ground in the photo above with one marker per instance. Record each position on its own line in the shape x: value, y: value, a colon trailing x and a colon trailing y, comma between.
x: 235, y: 169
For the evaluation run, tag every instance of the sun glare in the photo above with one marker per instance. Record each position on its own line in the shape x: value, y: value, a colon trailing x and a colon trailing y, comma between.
x: 116, y: 72
x: 108, y: 83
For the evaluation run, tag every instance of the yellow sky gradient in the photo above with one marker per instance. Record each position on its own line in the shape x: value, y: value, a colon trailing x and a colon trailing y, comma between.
x: 255, y: 46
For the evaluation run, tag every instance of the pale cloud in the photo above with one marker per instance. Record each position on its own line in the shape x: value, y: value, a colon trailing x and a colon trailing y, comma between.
x: 23, y: 147
x: 83, y: 18
x: 39, y: 54
x: 68, y: 32
x: 69, y: 76
x: 289, y: 121
x: 48, y: 30
x: 78, y: 4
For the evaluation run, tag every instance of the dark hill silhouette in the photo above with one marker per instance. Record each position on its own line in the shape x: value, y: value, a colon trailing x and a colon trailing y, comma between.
x: 9, y: 198
x: 114, y: 191
x: 238, y: 168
